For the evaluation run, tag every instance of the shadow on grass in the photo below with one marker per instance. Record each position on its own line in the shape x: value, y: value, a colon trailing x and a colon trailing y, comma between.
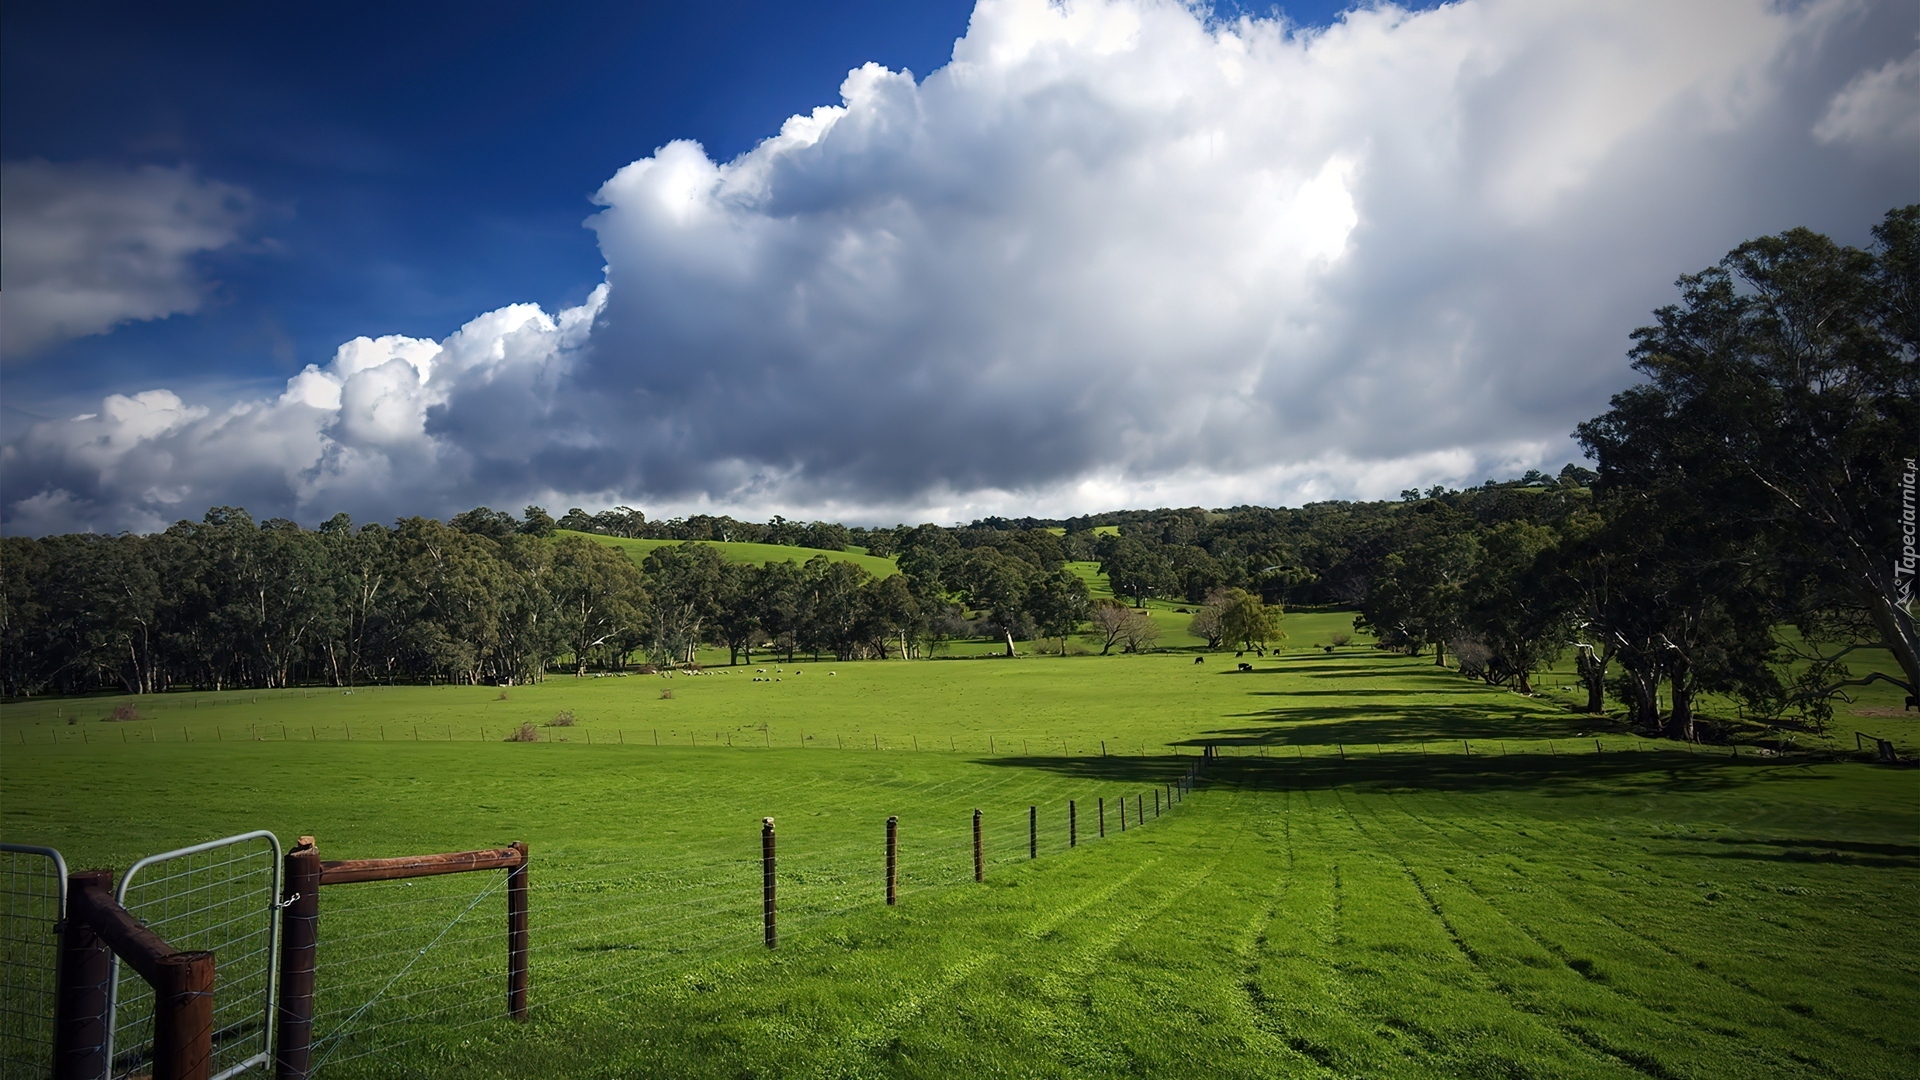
x: 1617, y: 773
x: 1363, y: 691
x: 1367, y: 725
x: 1794, y: 850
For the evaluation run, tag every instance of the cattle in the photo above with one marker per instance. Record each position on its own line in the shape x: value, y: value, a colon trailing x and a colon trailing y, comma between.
x: 1246, y: 667
x: 1199, y: 659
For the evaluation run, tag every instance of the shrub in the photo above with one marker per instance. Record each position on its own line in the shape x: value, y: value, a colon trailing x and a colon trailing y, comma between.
x: 526, y: 732
x: 563, y: 718
x: 124, y: 712
x: 1341, y: 639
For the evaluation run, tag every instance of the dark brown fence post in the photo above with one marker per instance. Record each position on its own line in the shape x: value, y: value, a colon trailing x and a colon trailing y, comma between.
x: 767, y: 905
x: 979, y: 855
x: 299, y: 943
x: 893, y: 861
x: 80, y: 1011
x: 1033, y: 832
x: 183, y: 1017
x: 1102, y: 804
x: 1073, y: 824
x: 1156, y: 802
x: 1140, y: 808
x: 517, y: 935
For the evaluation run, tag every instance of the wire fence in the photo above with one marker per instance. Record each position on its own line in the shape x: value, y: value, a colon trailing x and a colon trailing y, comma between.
x: 221, y: 897
x: 420, y: 961
x: 33, y: 906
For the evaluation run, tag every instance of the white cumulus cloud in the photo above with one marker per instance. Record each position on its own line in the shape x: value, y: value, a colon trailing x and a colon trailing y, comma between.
x: 1114, y: 253
x: 84, y: 247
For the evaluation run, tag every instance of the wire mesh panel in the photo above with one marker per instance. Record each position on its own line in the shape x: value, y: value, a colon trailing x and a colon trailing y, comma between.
x: 33, y: 904
x: 399, y: 961
x: 219, y: 897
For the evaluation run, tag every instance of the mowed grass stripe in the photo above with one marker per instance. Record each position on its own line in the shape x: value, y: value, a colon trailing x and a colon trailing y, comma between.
x: 1663, y: 970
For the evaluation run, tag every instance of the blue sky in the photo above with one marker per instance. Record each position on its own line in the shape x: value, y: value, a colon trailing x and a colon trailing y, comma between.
x: 1120, y: 255
x: 415, y: 163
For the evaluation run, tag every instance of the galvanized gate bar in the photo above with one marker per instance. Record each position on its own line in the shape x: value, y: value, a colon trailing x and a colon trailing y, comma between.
x: 33, y: 909
x: 272, y: 927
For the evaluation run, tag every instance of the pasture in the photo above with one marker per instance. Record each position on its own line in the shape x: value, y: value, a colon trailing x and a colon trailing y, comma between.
x: 757, y: 554
x: 1392, y: 871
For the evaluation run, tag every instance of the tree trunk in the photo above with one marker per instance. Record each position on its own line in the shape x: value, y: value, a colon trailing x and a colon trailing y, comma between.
x: 1680, y: 720
x: 1439, y: 654
x: 1679, y: 723
x: 1009, y: 634
x: 1646, y: 701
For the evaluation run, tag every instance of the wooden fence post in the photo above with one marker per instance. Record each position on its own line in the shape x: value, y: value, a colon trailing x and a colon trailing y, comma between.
x: 183, y: 1017
x: 517, y: 936
x: 1103, y: 817
x: 893, y: 861
x: 1073, y: 824
x: 768, y: 907
x: 299, y: 942
x: 1140, y: 808
x: 1033, y: 832
x: 979, y: 856
x: 80, y: 1010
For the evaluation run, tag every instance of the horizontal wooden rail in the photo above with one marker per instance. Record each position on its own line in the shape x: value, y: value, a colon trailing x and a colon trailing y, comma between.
x: 346, y: 871
x: 183, y: 982
x: 141, y: 948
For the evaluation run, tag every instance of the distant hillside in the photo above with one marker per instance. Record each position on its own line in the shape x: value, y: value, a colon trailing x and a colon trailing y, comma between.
x: 757, y: 554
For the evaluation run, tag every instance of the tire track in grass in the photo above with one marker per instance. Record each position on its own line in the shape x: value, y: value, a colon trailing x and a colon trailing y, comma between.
x: 1821, y: 1026
x: 1559, y: 1035
x: 857, y: 1051
x: 1803, y: 1031
x: 1263, y: 1011
x: 1637, y: 1014
x: 1324, y: 1010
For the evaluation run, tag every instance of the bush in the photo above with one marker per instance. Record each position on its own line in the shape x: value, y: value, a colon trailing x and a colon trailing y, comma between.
x: 526, y: 732
x: 124, y: 712
x: 563, y: 718
x: 1341, y: 639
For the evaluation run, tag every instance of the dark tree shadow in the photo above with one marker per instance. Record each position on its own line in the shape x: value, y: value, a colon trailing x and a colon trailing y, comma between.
x: 1367, y: 725
x: 1622, y: 773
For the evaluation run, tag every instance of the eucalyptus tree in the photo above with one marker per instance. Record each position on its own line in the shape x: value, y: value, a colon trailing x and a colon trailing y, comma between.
x: 598, y: 599
x: 1783, y: 398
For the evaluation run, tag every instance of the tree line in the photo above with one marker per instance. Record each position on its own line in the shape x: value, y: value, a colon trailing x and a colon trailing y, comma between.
x: 1740, y: 533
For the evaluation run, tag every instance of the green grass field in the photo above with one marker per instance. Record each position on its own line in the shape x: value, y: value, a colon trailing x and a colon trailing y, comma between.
x: 757, y: 554
x: 1392, y: 872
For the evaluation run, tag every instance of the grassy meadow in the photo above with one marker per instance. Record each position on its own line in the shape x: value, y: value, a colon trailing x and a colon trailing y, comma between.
x: 757, y: 554
x: 1392, y: 871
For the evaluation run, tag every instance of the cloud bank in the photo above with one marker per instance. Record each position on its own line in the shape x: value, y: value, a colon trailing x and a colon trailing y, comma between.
x: 84, y: 248
x: 1114, y: 253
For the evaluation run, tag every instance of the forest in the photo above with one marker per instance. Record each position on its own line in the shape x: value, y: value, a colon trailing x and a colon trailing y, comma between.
x: 1747, y: 525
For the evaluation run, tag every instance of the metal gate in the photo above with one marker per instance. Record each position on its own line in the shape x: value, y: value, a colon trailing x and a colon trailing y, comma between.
x: 222, y: 896
x: 33, y: 906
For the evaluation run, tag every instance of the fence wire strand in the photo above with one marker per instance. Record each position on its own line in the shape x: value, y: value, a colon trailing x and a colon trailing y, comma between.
x: 609, y: 928
x: 220, y: 901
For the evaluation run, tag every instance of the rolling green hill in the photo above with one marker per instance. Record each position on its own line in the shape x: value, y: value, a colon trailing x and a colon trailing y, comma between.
x: 757, y: 554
